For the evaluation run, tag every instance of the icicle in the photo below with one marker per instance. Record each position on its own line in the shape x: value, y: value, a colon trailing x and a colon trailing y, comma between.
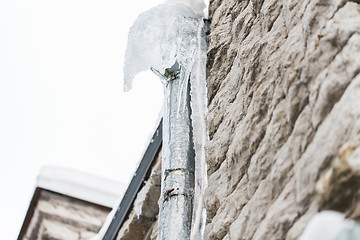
x: 329, y: 225
x: 198, y: 94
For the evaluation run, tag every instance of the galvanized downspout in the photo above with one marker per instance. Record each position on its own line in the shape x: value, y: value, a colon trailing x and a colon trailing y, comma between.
x: 180, y: 218
x: 177, y: 35
x: 177, y: 184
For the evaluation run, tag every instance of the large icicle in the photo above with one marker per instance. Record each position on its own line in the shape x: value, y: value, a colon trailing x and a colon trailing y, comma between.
x: 198, y: 94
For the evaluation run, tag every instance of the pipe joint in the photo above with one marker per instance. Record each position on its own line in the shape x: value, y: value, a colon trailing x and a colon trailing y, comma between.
x: 174, y: 192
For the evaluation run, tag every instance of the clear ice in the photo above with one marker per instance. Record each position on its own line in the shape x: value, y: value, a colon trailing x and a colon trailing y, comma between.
x: 159, y: 37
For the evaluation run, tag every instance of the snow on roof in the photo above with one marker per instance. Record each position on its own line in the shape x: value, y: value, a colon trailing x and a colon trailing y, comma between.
x: 80, y: 185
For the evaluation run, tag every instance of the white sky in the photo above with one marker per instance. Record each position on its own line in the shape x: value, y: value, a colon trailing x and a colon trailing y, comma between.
x: 61, y: 99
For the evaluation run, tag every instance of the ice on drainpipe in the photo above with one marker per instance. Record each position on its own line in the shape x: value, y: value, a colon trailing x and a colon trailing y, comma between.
x: 158, y: 38
x: 162, y: 37
x: 197, y: 6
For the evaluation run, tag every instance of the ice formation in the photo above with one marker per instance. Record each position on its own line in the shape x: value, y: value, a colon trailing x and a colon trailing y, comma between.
x: 161, y: 37
x: 326, y: 225
x: 158, y: 38
x: 197, y: 6
x: 198, y: 103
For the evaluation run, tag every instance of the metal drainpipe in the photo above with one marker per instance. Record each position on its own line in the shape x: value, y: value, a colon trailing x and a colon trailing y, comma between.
x: 178, y: 162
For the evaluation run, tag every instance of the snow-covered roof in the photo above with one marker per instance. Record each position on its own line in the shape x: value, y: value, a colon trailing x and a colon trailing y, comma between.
x: 80, y: 185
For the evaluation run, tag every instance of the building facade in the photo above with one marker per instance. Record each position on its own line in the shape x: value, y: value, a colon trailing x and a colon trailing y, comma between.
x: 284, y: 87
x: 68, y: 204
x: 283, y: 120
x: 283, y: 116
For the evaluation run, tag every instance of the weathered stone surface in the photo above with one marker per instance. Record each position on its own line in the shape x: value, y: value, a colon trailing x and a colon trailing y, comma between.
x: 338, y: 184
x: 58, y: 216
x: 141, y: 220
x: 284, y: 99
x: 152, y: 233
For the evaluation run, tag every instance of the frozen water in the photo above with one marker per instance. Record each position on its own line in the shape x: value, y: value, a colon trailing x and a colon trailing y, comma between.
x: 160, y: 38
x: 197, y: 6
x: 198, y: 93
x: 326, y: 225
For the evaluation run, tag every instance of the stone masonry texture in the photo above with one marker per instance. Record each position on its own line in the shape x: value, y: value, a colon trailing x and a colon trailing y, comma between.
x: 58, y: 217
x: 284, y: 102
x: 142, y: 220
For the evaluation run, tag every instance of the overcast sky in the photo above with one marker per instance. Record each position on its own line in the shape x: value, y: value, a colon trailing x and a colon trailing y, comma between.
x: 61, y: 99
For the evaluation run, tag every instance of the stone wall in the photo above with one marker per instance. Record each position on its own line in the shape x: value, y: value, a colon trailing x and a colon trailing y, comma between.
x: 142, y: 220
x: 284, y: 103
x: 58, y: 217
